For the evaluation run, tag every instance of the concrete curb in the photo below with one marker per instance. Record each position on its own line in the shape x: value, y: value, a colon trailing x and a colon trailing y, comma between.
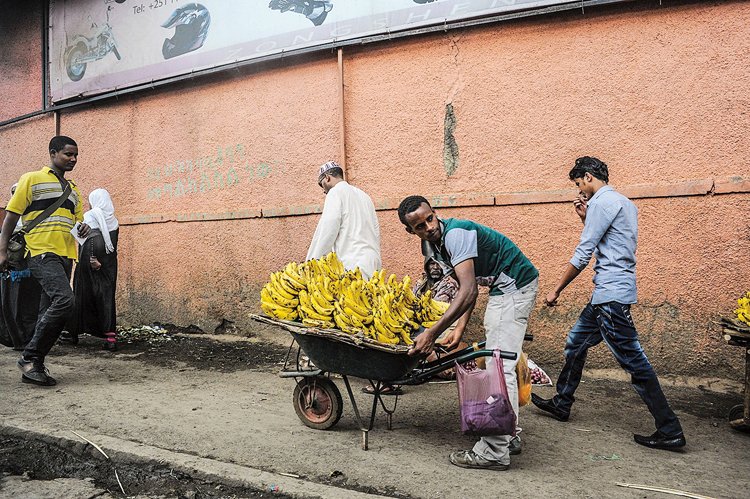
x: 232, y: 475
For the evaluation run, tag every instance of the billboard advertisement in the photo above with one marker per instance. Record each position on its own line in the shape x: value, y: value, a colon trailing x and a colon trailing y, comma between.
x: 102, y: 45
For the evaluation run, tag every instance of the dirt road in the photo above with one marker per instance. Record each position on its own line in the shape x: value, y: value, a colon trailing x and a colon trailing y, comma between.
x: 220, y: 397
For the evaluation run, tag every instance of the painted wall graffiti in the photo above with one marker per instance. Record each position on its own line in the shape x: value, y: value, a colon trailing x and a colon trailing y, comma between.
x: 227, y: 167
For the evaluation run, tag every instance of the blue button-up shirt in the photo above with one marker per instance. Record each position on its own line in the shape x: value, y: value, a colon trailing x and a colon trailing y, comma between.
x: 610, y: 234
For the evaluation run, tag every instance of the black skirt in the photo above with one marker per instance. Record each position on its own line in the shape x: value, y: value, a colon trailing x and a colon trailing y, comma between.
x: 95, y: 311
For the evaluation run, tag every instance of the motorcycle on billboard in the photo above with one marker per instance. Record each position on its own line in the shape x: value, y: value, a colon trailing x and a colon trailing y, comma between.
x: 83, y: 50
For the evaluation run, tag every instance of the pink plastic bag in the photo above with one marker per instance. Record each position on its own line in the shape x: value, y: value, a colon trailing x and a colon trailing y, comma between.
x: 484, y: 402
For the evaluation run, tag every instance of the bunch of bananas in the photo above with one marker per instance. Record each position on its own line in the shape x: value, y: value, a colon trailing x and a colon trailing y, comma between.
x: 321, y: 293
x: 280, y: 296
x: 430, y: 311
x: 743, y: 312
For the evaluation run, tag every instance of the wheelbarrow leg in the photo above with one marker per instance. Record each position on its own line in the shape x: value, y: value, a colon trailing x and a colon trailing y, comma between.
x: 388, y: 411
x: 365, y: 430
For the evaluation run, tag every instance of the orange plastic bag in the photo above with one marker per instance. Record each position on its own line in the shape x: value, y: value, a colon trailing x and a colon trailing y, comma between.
x: 523, y: 373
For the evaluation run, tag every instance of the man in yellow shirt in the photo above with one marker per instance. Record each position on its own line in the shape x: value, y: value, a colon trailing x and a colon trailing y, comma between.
x: 50, y: 250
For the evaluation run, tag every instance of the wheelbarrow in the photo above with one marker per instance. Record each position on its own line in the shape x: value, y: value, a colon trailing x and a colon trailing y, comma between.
x: 317, y: 400
x: 738, y: 334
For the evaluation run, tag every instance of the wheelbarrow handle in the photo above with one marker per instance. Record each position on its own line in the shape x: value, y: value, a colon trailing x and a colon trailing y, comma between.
x: 427, y: 371
x: 526, y: 337
x: 466, y: 350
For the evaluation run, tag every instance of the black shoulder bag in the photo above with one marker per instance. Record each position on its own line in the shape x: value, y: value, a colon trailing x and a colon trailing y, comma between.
x: 17, y: 243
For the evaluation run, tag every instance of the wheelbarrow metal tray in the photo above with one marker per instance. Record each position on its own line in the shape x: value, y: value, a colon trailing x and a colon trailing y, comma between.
x: 337, y: 352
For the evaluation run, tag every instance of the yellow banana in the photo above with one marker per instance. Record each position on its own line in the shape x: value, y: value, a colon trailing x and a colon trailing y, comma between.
x: 366, y: 299
x: 351, y: 329
x: 337, y: 264
x: 312, y: 314
x: 277, y: 299
x: 341, y: 322
x: 326, y: 268
x: 351, y: 302
x: 381, y: 328
x: 317, y: 323
x: 283, y: 282
x: 352, y: 314
x: 406, y: 338
x: 356, y: 321
x: 272, y: 305
x: 292, y: 315
x: 275, y: 287
x: 356, y: 274
x: 439, y: 306
x: 389, y: 340
x: 305, y: 301
x: 320, y: 304
x: 326, y: 291
x: 276, y: 311
x: 315, y: 268
x: 390, y: 322
x: 293, y: 277
x: 392, y: 281
x: 400, y: 314
x: 377, y: 277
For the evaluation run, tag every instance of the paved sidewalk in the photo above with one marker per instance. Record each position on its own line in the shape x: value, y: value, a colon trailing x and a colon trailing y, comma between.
x: 242, y: 421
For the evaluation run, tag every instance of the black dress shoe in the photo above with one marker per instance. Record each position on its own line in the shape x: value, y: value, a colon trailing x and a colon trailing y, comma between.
x: 34, y: 372
x: 547, y: 406
x: 659, y: 441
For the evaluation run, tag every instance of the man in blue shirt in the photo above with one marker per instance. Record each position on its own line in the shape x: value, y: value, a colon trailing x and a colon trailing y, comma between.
x: 610, y: 233
x: 482, y: 256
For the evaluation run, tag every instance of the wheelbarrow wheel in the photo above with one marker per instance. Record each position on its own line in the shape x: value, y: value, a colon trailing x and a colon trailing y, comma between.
x: 317, y: 402
x: 736, y: 412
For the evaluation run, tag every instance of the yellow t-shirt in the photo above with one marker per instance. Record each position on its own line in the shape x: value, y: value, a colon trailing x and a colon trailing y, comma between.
x: 35, y: 192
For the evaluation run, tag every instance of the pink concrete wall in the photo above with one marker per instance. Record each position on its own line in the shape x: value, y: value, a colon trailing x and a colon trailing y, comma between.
x: 659, y: 94
x: 20, y: 57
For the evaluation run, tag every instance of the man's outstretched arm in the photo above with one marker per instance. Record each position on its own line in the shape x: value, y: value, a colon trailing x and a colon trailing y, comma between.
x: 464, y: 301
x: 570, y: 273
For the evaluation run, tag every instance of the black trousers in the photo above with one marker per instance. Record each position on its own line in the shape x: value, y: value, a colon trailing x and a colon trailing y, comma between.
x: 56, y: 304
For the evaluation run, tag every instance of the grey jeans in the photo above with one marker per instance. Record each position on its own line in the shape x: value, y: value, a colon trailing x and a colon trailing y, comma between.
x: 56, y: 304
x: 505, y: 322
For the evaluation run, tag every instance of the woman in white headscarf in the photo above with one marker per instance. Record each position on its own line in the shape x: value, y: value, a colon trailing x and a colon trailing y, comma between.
x: 95, y: 278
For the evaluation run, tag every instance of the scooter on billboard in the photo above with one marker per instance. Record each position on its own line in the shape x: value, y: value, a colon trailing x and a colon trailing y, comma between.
x: 83, y: 49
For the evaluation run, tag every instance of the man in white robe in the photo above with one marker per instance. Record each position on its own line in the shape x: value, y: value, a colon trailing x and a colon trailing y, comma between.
x: 348, y: 224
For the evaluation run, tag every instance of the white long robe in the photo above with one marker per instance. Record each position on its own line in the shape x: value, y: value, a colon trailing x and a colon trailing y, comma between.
x: 350, y: 227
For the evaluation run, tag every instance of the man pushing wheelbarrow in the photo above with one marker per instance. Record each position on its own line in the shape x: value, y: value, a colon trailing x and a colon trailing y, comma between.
x: 478, y: 255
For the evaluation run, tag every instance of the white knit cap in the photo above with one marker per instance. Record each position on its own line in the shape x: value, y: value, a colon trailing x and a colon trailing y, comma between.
x: 326, y: 168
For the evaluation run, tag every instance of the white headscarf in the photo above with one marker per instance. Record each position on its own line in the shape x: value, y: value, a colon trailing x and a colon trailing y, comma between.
x: 102, y: 216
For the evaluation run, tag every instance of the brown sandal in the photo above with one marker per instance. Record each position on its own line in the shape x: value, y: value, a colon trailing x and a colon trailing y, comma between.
x: 385, y: 390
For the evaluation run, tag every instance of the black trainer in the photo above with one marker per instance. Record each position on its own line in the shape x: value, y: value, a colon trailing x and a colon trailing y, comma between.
x: 549, y: 407
x: 34, y: 372
x: 658, y: 441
